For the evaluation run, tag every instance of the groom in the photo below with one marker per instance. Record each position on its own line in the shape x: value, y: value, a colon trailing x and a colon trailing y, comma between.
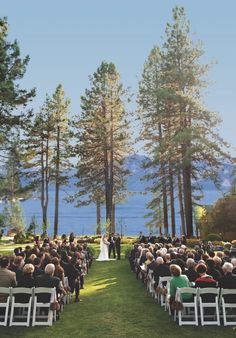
x: 112, y: 245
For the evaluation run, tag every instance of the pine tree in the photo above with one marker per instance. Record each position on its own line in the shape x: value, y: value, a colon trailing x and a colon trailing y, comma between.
x: 103, y: 140
x: 58, y: 107
x: 12, y: 97
x: 38, y: 155
x: 180, y: 132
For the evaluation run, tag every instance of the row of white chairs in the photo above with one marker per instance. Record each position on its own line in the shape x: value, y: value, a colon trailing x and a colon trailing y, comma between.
x: 20, y: 314
x: 197, y: 307
x: 220, y: 307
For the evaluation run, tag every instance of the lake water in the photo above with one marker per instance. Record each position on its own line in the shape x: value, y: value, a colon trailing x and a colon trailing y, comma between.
x: 129, y: 215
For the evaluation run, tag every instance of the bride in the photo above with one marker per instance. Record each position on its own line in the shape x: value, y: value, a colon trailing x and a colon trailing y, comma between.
x: 103, y: 256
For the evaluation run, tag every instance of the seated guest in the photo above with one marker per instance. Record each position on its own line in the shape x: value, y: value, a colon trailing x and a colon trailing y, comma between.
x: 228, y: 281
x: 161, y: 270
x: 7, y: 277
x: 191, y: 273
x: 47, y: 280
x: 37, y: 267
x: 226, y: 257
x: 218, y: 264
x: 150, y: 262
x: 178, y: 281
x: 233, y: 250
x: 17, y: 266
x: 59, y: 271
x: 205, y: 281
x: 25, y: 281
x: 211, y: 270
x: 233, y: 261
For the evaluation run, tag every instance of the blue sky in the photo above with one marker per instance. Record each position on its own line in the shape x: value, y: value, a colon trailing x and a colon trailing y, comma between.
x: 67, y: 40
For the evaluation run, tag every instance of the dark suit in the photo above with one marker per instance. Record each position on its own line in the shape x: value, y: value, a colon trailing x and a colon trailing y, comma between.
x: 117, y: 244
x: 112, y: 246
x: 25, y: 281
x: 18, y: 272
x: 161, y: 270
x: 228, y: 281
x: 46, y: 281
x: 192, y: 274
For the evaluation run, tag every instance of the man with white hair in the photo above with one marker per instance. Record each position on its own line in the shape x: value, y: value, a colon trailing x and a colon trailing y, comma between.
x: 191, y: 273
x: 47, y: 280
x: 161, y: 270
x: 233, y: 261
x: 228, y: 281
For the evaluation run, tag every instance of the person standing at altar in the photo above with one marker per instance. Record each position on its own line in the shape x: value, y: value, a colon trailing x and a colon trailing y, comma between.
x: 112, y: 245
x: 118, y: 243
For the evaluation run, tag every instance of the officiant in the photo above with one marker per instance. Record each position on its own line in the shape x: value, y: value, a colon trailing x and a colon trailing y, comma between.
x: 118, y: 242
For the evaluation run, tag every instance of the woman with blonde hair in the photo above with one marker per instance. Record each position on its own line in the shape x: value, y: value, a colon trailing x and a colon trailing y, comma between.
x: 178, y: 281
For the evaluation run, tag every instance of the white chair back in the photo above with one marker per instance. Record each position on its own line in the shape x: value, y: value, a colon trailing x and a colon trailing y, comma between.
x: 5, y: 304
x: 23, y: 309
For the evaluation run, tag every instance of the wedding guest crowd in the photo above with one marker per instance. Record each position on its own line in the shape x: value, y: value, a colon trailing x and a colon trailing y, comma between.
x: 200, y: 267
x: 46, y: 265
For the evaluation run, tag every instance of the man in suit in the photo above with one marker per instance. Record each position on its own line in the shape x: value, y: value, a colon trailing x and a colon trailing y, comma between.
x: 7, y: 277
x: 228, y: 281
x: 112, y: 245
x: 17, y: 267
x: 47, y: 280
x: 142, y: 238
x: 117, y: 243
x: 151, y: 238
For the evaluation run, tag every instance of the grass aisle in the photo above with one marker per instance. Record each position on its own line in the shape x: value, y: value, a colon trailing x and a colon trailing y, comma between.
x: 115, y: 304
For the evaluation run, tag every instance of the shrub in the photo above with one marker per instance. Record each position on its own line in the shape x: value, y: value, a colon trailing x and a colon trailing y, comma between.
x: 127, y: 251
x: 192, y: 242
x: 19, y: 238
x: 213, y: 237
x: 92, y: 250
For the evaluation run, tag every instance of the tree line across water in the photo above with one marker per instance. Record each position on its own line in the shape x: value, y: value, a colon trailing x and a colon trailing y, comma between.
x: 179, y: 133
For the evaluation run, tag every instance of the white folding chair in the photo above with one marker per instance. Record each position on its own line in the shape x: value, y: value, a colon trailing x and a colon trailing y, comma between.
x: 150, y: 283
x: 190, y: 307
x: 67, y: 298
x: 5, y: 299
x: 42, y: 314
x: 23, y: 310
x: 228, y: 317
x: 212, y: 304
x: 162, y: 288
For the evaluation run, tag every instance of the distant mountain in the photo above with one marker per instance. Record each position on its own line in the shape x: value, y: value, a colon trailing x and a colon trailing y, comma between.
x: 135, y: 183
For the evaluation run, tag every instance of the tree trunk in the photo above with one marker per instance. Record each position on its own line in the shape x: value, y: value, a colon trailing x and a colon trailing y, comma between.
x: 42, y: 198
x: 188, y: 200
x: 172, y: 201
x: 46, y: 182
x: 111, y: 174
x: 98, y: 212
x: 181, y: 205
x: 113, y: 223
x: 164, y: 193
x: 57, y: 184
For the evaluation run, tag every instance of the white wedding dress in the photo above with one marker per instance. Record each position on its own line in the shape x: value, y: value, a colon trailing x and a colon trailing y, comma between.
x: 103, y: 255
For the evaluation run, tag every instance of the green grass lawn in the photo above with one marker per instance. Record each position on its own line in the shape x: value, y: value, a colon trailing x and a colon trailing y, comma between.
x: 115, y: 304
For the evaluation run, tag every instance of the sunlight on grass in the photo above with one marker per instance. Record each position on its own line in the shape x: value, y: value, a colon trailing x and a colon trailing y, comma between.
x: 99, y: 285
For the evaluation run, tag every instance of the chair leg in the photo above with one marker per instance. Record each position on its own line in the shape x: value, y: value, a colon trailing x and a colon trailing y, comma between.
x: 12, y: 311
x: 34, y: 314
